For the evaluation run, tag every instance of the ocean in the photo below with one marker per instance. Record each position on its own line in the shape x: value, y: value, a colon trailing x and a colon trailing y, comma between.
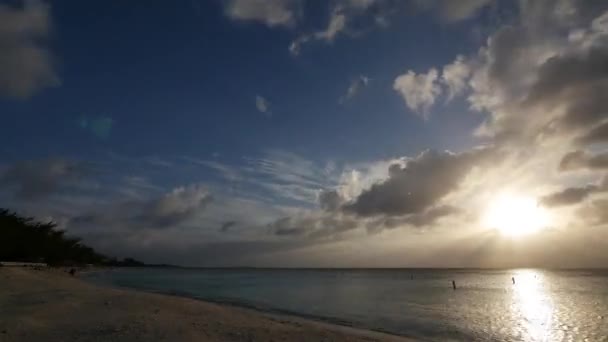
x: 487, y: 305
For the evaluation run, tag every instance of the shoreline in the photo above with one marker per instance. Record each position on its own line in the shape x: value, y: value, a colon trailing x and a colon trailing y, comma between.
x: 47, y: 305
x: 266, y: 311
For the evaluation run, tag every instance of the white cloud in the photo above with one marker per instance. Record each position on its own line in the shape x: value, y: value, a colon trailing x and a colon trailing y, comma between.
x: 356, y: 85
x: 25, y: 61
x: 262, y: 105
x: 270, y: 12
x: 342, y: 13
x: 455, y: 77
x: 418, y: 90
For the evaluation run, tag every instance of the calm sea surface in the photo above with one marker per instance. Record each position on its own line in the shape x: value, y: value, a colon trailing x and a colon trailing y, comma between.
x: 486, y: 306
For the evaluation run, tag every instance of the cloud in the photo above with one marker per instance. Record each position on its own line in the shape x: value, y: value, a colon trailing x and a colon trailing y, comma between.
x: 569, y: 196
x: 544, y: 79
x: 336, y: 25
x: 343, y: 14
x: 418, y: 90
x: 595, y: 213
x: 314, y: 226
x: 330, y: 200
x: 356, y: 85
x: 425, y: 218
x: 455, y: 76
x: 25, y: 62
x: 262, y: 105
x: 269, y: 12
x: 597, y: 134
x: 170, y: 209
x: 418, y: 185
x: 177, y: 206
x: 35, y: 179
x: 582, y: 160
x: 227, y: 225
x: 453, y: 11
x: 461, y: 10
x: 288, y: 176
x: 226, y: 171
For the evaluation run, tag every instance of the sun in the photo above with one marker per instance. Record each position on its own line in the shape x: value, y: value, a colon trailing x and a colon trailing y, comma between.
x: 515, y: 215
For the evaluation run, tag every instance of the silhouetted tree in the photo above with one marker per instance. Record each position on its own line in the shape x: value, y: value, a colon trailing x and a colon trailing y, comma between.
x: 23, y: 239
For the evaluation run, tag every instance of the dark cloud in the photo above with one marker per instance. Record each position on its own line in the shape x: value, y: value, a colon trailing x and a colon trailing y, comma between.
x: 578, y: 83
x: 431, y: 215
x: 597, y: 134
x: 582, y: 160
x: 227, y: 225
x: 169, y: 210
x: 595, y: 213
x: 569, y: 196
x: 418, y: 185
x: 35, y: 179
x: 330, y: 200
x: 25, y: 63
x: 313, y: 226
x: 426, y: 218
x: 175, y: 207
x: 538, y: 82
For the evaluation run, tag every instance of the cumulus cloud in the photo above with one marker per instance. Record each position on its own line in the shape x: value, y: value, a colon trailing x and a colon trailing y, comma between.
x: 418, y: 185
x: 582, y: 160
x: 356, y: 85
x: 25, y: 63
x: 455, y: 76
x: 35, y: 179
x: 418, y: 90
x: 269, y: 12
x: 262, y: 105
x: 537, y: 81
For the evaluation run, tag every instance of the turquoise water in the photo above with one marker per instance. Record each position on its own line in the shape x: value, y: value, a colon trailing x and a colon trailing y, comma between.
x: 486, y: 306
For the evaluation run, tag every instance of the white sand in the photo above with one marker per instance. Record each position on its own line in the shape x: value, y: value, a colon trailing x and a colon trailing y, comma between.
x: 50, y: 306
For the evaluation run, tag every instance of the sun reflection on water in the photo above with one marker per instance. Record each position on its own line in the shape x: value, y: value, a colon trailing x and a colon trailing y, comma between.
x: 532, y: 305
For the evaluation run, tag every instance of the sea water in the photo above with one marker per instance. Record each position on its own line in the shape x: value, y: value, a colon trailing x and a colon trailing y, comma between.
x: 487, y: 305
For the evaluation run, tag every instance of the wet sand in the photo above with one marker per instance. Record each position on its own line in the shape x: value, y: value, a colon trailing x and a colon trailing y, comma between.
x: 50, y: 306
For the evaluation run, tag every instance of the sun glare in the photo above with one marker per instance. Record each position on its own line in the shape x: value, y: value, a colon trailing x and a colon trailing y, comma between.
x: 515, y: 216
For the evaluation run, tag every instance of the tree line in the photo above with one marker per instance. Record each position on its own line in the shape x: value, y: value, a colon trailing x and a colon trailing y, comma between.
x: 27, y: 240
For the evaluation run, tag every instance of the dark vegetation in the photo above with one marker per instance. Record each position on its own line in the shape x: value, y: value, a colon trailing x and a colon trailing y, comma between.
x: 27, y: 240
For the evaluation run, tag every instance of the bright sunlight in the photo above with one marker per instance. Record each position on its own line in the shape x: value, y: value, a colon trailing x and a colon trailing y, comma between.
x: 515, y: 216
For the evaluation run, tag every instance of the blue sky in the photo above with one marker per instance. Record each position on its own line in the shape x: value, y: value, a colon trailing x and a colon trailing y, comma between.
x: 281, y: 120
x: 183, y: 80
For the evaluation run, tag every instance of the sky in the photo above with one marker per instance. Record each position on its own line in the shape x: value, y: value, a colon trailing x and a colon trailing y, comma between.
x: 301, y: 133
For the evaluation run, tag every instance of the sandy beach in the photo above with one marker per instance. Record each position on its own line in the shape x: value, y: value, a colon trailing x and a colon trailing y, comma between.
x: 52, y: 306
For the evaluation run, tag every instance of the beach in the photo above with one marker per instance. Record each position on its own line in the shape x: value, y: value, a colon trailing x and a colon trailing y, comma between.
x: 47, y: 305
